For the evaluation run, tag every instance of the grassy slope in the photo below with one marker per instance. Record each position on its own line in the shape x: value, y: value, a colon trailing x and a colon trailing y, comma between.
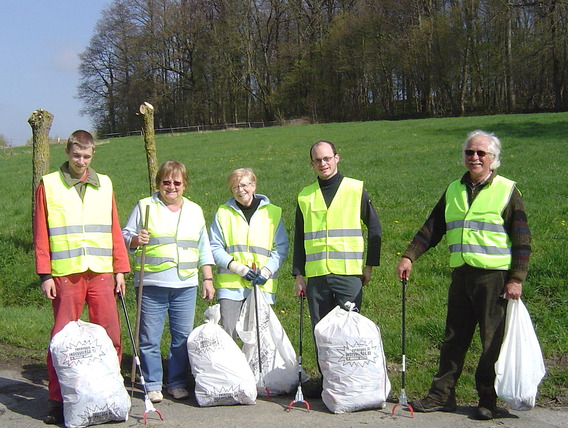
x: 406, y: 166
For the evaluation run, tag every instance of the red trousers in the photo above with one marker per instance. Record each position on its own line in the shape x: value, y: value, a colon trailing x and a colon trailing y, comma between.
x: 73, y: 291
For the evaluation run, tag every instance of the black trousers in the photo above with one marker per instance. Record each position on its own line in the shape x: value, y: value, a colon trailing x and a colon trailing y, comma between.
x: 326, y: 292
x: 473, y: 299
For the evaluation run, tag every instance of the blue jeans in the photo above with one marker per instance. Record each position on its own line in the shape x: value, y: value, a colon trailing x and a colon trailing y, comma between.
x: 179, y: 305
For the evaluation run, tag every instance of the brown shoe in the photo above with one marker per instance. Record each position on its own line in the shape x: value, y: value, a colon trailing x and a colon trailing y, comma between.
x: 54, y: 413
x: 430, y: 404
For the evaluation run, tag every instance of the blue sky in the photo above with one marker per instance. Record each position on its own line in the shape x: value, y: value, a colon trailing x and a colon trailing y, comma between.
x: 41, y: 40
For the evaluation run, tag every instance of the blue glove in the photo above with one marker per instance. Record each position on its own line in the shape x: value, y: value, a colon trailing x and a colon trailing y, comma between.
x: 251, y: 275
x: 259, y: 280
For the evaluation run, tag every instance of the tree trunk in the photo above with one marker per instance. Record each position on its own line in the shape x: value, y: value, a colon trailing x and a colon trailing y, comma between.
x: 40, y: 122
x: 511, y: 95
x: 147, y: 112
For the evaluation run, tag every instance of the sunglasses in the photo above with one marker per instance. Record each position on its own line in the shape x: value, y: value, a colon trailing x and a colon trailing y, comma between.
x: 169, y: 182
x: 480, y: 153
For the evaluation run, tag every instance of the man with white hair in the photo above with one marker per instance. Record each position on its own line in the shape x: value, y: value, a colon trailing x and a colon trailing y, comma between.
x: 483, y: 217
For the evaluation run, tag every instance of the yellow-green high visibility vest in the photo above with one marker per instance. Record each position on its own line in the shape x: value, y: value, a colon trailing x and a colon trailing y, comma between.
x: 476, y: 234
x: 80, y: 230
x: 333, y: 237
x: 172, y: 245
x: 248, y: 244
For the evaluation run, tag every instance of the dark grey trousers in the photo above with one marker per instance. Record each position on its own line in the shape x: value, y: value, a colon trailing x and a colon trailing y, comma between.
x: 326, y: 292
x: 473, y: 299
x: 230, y: 311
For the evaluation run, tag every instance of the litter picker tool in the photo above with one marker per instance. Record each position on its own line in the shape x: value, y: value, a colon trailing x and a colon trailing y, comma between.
x: 402, y: 399
x: 299, y: 398
x: 260, y: 375
x: 148, y: 406
x: 139, y: 300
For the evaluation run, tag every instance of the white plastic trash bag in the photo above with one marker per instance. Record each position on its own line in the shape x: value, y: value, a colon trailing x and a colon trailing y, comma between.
x: 352, y: 362
x: 520, y: 366
x: 221, y: 371
x: 89, y: 374
x: 279, y: 363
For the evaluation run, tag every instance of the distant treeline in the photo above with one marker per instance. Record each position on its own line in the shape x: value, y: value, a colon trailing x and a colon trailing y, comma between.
x: 206, y: 62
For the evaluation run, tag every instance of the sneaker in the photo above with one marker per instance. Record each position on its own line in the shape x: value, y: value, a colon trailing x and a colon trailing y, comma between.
x: 430, y: 404
x: 54, y: 413
x: 179, y: 393
x: 155, y: 396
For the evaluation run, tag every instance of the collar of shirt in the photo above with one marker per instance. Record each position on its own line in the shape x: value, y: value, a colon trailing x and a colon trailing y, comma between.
x: 92, y: 178
x: 467, y: 180
x: 333, y: 181
x: 474, y: 189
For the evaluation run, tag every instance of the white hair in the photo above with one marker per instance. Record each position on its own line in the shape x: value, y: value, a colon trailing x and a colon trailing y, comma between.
x: 494, y: 147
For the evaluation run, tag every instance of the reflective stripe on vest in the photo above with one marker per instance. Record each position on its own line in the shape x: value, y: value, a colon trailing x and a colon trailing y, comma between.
x: 476, y: 234
x: 80, y: 237
x: 248, y: 244
x: 172, y: 245
x: 333, y: 237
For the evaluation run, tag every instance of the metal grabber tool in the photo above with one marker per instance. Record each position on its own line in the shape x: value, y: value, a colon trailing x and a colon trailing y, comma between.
x: 260, y: 375
x: 148, y: 405
x: 402, y: 400
x: 299, y: 398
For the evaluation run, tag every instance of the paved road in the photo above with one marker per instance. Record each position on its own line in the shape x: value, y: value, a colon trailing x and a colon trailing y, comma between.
x: 23, y: 396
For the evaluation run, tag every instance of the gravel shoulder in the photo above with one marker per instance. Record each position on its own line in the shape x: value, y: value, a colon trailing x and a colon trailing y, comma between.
x: 23, y: 398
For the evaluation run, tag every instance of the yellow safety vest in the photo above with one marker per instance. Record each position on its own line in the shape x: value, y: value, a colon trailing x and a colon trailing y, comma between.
x: 476, y: 234
x: 172, y: 245
x: 333, y: 237
x: 80, y: 230
x: 248, y: 244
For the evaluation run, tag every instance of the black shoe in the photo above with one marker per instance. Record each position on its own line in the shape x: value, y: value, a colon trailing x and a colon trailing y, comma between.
x: 54, y: 413
x: 487, y: 404
x: 429, y: 404
x: 483, y: 414
x: 486, y: 407
x: 312, y: 388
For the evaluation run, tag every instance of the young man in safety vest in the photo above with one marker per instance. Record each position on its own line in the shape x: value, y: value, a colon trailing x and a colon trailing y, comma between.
x: 80, y: 253
x: 329, y: 243
x: 483, y: 217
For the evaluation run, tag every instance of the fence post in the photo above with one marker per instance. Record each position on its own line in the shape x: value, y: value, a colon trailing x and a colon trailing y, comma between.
x: 147, y: 112
x: 40, y: 122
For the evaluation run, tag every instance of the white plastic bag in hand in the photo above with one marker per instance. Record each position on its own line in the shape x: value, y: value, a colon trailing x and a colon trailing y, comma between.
x: 352, y: 362
x: 222, y: 374
x: 520, y: 366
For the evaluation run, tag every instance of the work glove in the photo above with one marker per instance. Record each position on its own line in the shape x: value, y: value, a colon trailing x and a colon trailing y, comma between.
x: 242, y: 270
x: 262, y: 277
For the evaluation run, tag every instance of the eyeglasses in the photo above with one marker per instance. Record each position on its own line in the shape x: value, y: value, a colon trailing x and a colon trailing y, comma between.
x: 480, y: 153
x: 241, y: 186
x: 326, y: 159
x: 169, y: 183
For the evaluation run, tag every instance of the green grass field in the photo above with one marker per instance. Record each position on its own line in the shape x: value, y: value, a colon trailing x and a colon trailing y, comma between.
x: 406, y: 166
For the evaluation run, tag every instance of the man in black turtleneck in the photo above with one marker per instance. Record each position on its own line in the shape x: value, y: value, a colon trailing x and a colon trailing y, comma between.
x: 329, y: 243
